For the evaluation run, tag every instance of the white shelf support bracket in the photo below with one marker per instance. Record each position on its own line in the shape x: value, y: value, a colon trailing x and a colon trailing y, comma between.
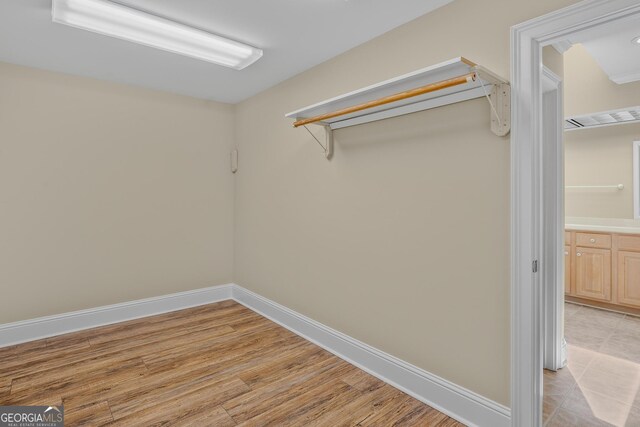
x: 328, y: 140
x: 501, y: 100
x: 328, y: 151
x: 234, y: 160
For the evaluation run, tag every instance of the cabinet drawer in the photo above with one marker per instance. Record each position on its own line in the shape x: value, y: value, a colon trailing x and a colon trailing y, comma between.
x: 567, y: 237
x: 592, y: 240
x: 629, y: 243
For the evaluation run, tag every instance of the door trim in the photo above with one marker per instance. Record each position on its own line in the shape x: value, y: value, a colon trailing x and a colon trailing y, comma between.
x: 636, y: 179
x: 553, y: 267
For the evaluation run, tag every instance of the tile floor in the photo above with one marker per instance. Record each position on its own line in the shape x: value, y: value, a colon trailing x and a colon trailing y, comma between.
x: 601, y: 384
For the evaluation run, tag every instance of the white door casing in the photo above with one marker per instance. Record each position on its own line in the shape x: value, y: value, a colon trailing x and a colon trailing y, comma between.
x: 552, y: 261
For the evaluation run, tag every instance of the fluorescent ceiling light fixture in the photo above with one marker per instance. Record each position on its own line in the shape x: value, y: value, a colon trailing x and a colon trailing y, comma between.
x: 112, y: 19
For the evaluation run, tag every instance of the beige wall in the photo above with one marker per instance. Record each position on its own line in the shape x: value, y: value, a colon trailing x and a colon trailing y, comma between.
x: 588, y: 88
x: 402, y: 240
x: 108, y: 193
x: 553, y: 60
x: 601, y: 156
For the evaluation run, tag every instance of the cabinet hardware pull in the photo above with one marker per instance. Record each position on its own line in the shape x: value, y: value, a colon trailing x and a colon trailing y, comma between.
x: 593, y: 240
x: 578, y: 254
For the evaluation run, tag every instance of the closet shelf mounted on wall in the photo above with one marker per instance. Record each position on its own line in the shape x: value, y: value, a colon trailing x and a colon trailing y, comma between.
x: 446, y: 83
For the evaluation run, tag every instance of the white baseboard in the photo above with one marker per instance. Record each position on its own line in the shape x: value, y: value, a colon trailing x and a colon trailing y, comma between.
x: 457, y: 402
x: 44, y: 327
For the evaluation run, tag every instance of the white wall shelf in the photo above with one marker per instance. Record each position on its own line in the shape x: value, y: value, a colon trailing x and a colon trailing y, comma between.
x: 441, y: 85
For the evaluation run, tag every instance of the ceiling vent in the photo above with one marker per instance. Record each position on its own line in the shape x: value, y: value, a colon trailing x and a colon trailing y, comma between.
x: 605, y: 118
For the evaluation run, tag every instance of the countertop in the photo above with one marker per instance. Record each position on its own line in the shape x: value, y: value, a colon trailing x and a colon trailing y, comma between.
x: 606, y: 225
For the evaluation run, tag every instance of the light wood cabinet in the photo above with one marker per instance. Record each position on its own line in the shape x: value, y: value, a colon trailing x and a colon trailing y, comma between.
x: 593, y: 273
x: 629, y: 278
x: 603, y: 269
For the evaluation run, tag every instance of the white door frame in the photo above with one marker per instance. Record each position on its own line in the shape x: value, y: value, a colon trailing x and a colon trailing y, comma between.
x: 528, y: 193
x: 552, y: 260
x: 636, y: 179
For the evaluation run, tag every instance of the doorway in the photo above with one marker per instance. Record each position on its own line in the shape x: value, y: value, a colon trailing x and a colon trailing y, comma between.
x: 534, y: 198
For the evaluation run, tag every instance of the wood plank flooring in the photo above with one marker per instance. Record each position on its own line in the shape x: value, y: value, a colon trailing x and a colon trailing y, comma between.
x: 214, y: 365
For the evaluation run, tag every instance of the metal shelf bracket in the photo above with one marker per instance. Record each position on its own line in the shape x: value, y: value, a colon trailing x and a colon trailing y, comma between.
x: 328, y: 139
x: 328, y: 150
x: 501, y: 99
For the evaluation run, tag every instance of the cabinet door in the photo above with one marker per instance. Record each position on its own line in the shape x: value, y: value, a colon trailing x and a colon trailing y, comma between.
x: 593, y: 273
x: 629, y: 278
x: 567, y: 270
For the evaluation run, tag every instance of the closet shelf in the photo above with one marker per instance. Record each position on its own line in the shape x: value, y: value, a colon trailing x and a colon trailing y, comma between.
x: 446, y: 83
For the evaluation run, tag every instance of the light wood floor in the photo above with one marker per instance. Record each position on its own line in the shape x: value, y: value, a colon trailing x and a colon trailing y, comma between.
x: 215, y: 365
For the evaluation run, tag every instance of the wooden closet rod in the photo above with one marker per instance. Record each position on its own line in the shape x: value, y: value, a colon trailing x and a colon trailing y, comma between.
x: 467, y: 78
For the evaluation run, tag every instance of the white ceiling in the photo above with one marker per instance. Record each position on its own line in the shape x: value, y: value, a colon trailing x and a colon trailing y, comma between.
x: 612, y: 48
x: 295, y: 36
